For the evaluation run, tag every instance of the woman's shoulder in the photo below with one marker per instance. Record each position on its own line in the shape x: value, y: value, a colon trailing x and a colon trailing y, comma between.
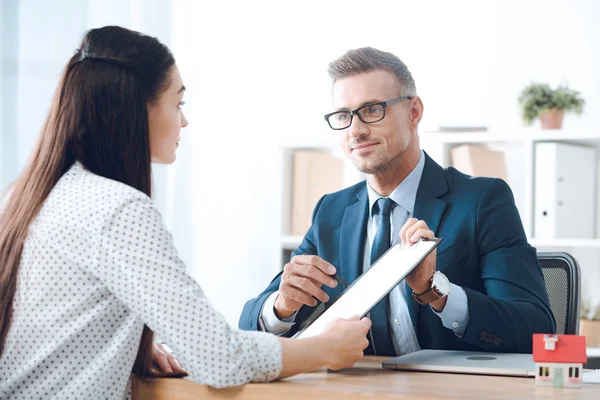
x: 82, y: 189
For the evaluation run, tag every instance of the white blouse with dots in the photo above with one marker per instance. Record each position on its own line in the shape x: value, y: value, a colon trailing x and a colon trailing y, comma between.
x: 97, y: 264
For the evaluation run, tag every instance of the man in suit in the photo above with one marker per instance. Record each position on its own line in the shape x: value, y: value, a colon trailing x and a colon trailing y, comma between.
x: 481, y: 290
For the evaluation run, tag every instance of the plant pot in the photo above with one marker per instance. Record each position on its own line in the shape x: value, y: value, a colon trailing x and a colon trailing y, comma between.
x: 552, y: 118
x: 591, y: 331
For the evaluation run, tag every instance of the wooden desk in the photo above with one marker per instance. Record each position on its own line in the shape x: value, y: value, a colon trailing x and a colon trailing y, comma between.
x: 367, y: 380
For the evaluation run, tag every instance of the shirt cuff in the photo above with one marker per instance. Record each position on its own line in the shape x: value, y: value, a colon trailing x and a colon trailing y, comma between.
x: 269, y: 322
x: 455, y: 315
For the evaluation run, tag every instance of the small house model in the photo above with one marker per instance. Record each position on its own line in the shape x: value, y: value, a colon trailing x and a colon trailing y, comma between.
x: 559, y: 360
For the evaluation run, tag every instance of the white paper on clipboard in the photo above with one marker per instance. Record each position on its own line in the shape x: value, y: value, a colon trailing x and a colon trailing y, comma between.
x: 373, y: 285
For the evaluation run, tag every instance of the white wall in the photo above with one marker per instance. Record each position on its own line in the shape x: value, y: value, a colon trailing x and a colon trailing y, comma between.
x: 256, y: 77
x: 3, y: 37
x: 47, y: 36
x: 8, y: 85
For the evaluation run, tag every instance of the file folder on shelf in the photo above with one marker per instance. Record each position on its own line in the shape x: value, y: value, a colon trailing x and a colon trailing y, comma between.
x: 565, y: 191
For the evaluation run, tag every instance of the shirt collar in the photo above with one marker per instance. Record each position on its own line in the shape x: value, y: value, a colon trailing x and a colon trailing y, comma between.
x: 405, y: 193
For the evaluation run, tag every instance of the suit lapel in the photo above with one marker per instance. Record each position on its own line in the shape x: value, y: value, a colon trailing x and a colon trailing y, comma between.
x: 354, y: 228
x: 433, y: 185
x: 429, y: 208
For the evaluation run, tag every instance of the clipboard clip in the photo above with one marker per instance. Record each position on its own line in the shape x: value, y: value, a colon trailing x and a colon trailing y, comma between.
x: 416, y: 244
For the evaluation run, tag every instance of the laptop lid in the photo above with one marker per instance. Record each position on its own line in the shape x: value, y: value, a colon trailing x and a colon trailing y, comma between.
x: 464, y: 362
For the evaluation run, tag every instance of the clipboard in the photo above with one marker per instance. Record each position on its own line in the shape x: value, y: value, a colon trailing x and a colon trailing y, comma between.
x: 372, y: 286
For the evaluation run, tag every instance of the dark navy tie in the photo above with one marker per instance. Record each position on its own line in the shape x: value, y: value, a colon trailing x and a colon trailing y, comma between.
x: 383, y: 345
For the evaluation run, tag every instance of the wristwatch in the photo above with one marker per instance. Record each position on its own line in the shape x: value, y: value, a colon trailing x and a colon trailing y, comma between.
x: 439, y: 287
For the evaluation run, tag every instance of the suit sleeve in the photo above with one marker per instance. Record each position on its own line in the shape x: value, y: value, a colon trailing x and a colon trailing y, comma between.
x: 516, y: 305
x: 249, y: 320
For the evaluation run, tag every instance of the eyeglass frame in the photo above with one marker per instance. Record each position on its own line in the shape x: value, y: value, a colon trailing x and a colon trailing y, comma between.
x: 384, y: 104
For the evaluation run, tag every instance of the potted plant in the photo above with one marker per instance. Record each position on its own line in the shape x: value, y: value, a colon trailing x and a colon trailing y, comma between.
x: 589, y: 325
x: 540, y: 100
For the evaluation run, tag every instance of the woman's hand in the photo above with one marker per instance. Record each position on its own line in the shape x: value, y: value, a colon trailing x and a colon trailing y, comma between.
x: 345, y: 341
x: 165, y: 363
x: 339, y: 346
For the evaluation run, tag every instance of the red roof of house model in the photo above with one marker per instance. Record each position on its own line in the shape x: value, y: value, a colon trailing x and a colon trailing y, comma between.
x: 568, y: 349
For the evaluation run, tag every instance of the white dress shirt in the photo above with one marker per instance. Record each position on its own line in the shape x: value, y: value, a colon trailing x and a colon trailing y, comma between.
x: 455, y: 315
x: 97, y: 265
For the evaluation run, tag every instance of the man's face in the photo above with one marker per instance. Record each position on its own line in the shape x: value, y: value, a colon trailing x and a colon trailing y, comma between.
x: 372, y: 147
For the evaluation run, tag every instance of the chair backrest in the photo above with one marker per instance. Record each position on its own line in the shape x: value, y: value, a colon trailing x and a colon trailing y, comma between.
x: 563, y: 283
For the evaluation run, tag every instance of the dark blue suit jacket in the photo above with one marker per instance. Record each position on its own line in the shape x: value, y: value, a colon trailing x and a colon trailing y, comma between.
x: 484, y: 251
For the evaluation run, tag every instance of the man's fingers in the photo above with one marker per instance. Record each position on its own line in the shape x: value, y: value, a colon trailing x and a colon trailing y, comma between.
x: 307, y: 286
x: 291, y: 293
x: 414, y: 227
x: 422, y: 233
x: 315, y: 274
x: 316, y: 261
x: 410, y: 222
x: 410, y: 234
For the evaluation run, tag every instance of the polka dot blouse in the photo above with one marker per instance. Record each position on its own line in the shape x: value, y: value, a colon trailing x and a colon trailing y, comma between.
x: 97, y: 265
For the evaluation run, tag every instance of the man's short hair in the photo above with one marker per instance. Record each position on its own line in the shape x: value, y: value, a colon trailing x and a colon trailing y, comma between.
x: 366, y: 59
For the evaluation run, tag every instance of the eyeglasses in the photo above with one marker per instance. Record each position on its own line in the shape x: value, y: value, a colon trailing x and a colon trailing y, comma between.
x: 369, y: 113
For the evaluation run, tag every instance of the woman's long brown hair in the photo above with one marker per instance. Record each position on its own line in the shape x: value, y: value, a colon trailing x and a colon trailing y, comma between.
x: 98, y: 117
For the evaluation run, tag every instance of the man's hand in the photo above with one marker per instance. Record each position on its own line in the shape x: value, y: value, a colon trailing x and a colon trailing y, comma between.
x: 419, y: 279
x: 301, y: 283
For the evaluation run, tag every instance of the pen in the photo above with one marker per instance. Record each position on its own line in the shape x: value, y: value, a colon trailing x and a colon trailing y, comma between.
x: 340, y: 280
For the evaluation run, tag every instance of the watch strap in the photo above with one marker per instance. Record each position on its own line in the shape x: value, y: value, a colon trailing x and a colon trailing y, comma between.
x: 428, y: 296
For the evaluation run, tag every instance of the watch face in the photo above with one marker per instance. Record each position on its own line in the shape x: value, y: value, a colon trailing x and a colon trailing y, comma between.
x: 441, y: 283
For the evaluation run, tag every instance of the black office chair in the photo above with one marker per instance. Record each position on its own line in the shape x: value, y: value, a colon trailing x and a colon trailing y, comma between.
x: 563, y: 283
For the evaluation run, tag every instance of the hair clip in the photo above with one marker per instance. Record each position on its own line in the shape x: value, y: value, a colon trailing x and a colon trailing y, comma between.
x: 85, y: 55
x: 82, y: 56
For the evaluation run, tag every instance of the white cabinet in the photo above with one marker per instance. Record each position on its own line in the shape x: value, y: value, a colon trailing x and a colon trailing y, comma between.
x: 565, y: 191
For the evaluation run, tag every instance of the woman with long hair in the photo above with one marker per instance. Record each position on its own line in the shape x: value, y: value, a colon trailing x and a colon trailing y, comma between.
x: 87, y: 269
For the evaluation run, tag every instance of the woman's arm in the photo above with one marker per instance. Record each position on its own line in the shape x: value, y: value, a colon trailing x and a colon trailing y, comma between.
x: 139, y: 265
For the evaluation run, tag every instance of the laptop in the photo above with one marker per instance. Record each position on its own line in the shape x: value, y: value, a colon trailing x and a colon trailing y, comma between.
x: 464, y: 362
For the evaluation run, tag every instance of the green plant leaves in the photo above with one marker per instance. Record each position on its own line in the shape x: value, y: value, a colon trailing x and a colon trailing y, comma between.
x: 539, y: 97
